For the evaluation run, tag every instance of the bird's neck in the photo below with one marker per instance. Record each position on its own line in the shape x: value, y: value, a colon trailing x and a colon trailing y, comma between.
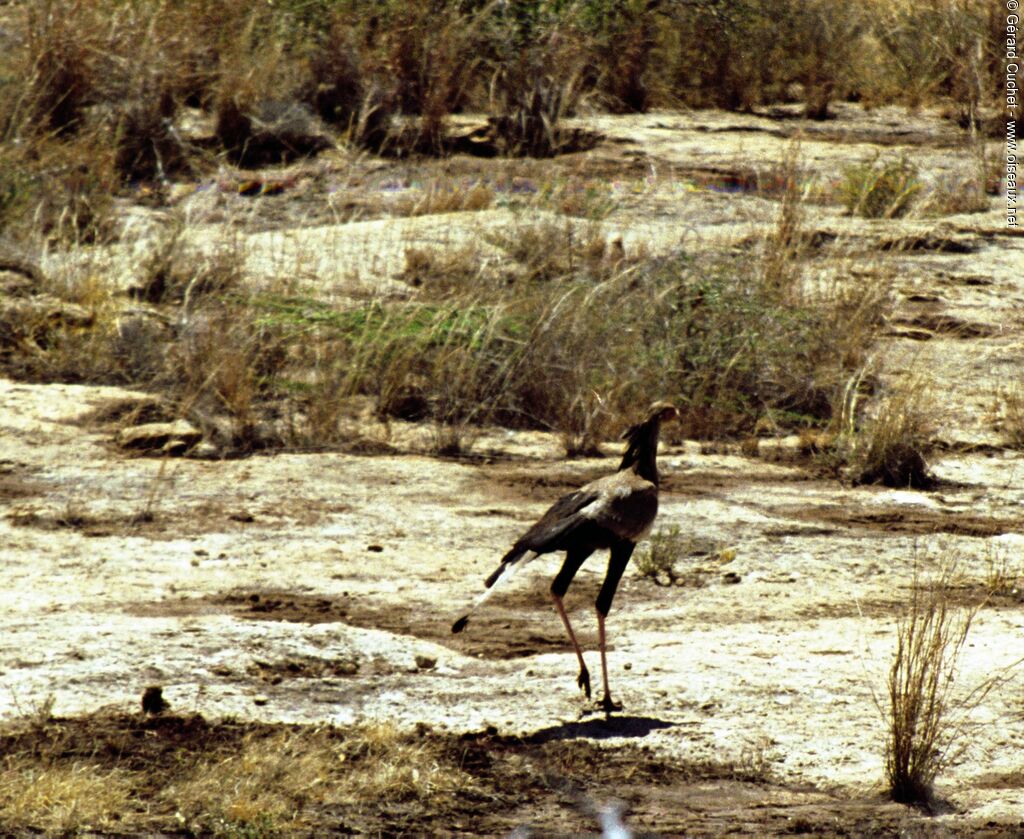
x: 642, y: 452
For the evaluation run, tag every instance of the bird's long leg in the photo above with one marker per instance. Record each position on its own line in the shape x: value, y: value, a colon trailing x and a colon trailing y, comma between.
x: 617, y: 561
x: 607, y: 704
x: 574, y: 558
x: 584, y: 678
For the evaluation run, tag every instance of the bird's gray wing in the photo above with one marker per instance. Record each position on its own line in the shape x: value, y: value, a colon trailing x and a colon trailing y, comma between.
x: 561, y: 517
x: 565, y: 514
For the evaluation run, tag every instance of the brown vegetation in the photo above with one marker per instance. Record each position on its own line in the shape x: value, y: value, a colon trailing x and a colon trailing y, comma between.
x: 925, y: 716
x: 165, y: 773
x: 388, y: 76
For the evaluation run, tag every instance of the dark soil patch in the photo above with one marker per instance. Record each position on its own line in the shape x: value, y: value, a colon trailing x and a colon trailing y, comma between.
x: 906, y: 520
x: 928, y: 242
x: 968, y: 596
x: 515, y: 624
x: 153, y: 524
x: 942, y: 324
x: 13, y: 487
x: 158, y: 521
x: 553, y: 782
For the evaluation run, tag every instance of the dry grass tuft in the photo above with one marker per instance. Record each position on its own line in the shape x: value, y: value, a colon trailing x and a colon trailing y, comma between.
x: 890, y: 449
x: 955, y: 194
x: 659, y: 558
x: 441, y: 197
x: 136, y: 774
x: 268, y: 782
x: 1004, y: 575
x: 442, y: 272
x: 924, y: 717
x: 538, y: 78
x: 63, y: 798
x: 172, y: 272
x: 880, y: 188
x: 1010, y: 419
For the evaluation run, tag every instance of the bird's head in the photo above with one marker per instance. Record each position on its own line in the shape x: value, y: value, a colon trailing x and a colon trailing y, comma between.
x: 658, y: 413
x: 663, y: 412
x: 642, y: 440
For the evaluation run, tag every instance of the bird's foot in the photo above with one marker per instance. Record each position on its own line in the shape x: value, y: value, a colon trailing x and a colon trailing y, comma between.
x: 608, y: 705
x: 584, y: 681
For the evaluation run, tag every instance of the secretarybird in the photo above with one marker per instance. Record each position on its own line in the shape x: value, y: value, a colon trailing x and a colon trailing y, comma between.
x: 613, y: 512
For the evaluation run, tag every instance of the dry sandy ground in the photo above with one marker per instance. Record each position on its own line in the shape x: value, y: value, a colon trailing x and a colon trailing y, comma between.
x: 320, y: 587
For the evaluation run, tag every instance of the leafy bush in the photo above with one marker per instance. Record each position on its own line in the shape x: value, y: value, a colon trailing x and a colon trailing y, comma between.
x: 658, y: 557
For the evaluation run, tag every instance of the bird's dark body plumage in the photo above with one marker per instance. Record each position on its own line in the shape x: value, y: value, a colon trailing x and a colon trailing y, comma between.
x: 614, y: 512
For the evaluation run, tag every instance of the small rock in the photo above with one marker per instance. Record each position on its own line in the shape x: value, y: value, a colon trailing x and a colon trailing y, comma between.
x: 350, y: 668
x: 176, y: 447
x: 158, y: 435
x: 375, y: 548
x: 205, y: 451
x: 731, y: 578
x: 260, y: 699
x: 426, y: 662
x: 153, y: 701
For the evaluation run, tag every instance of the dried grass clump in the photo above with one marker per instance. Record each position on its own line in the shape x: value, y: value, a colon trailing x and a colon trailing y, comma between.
x: 135, y: 775
x: 443, y: 272
x: 925, y: 719
x: 344, y: 89
x: 173, y: 272
x: 446, y: 197
x: 116, y: 73
x: 226, y: 363
x: 880, y: 188
x: 955, y: 194
x: 549, y: 249
x: 268, y: 782
x: 572, y: 347
x: 434, y: 53
x: 657, y: 558
x: 62, y: 798
x: 890, y: 449
x: 60, y: 190
x: 623, y: 39
x: 537, y: 80
x: 1011, y: 421
x: 63, y: 50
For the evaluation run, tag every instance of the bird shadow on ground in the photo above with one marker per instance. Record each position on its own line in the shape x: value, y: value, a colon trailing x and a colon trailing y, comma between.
x: 599, y: 729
